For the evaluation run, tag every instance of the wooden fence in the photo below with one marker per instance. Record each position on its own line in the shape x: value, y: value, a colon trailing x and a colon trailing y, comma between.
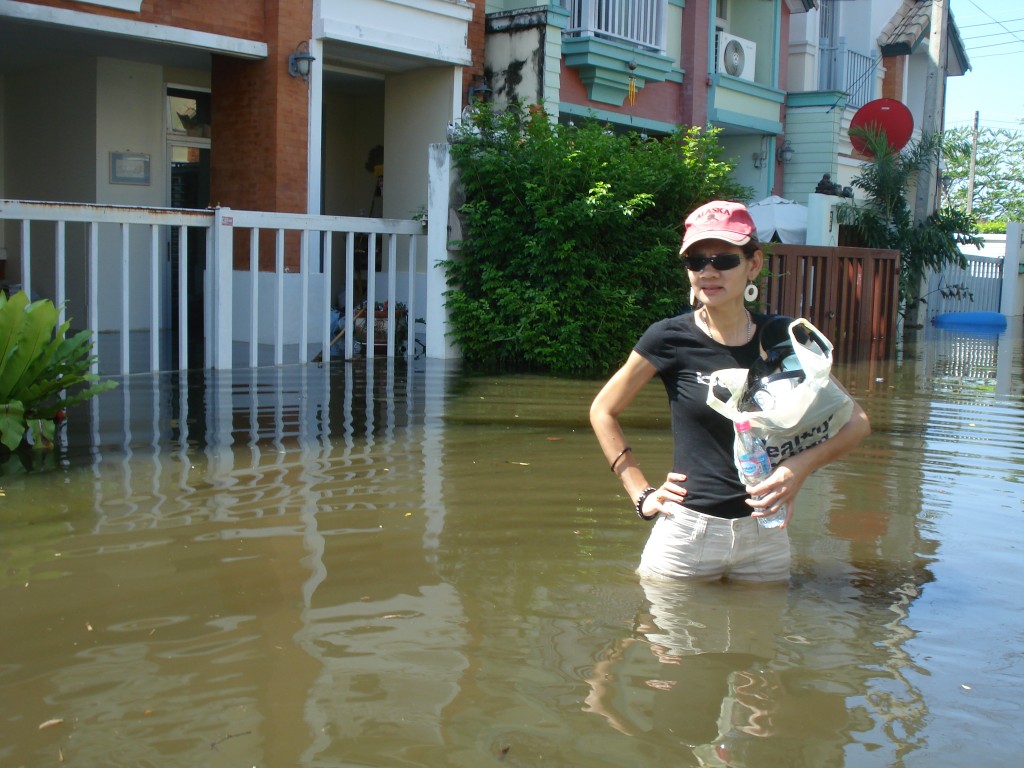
x: 849, y: 294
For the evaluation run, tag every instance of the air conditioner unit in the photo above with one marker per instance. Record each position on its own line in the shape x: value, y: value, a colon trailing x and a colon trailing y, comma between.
x: 736, y: 56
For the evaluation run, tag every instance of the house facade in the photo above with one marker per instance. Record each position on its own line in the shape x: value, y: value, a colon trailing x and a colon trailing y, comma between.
x: 652, y: 65
x: 336, y: 108
x: 291, y: 106
x: 843, y: 55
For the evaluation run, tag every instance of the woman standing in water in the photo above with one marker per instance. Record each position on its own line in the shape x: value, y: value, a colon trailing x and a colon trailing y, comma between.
x: 704, y: 527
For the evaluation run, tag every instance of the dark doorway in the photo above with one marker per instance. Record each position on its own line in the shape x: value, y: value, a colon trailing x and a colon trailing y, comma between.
x: 189, y: 128
x: 190, y: 188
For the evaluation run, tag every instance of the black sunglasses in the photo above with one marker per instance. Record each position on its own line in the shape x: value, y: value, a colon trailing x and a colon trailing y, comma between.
x: 720, y: 261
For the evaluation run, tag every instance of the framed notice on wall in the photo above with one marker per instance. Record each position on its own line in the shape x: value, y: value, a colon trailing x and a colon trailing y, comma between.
x: 129, y: 168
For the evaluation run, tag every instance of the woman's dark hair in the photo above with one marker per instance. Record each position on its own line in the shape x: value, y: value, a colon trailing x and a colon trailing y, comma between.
x: 750, y: 248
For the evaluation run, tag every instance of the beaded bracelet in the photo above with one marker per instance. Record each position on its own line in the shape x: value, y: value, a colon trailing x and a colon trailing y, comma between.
x: 640, y: 504
x: 622, y: 453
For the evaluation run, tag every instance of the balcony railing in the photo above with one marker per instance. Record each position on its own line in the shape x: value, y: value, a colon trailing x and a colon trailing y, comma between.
x: 637, y: 22
x: 848, y: 71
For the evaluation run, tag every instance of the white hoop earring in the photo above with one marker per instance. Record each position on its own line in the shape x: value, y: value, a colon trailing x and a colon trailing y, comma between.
x: 693, y: 297
x: 750, y: 293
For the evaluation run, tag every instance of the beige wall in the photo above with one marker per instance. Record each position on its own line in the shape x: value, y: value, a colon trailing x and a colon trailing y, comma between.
x: 56, y: 146
x: 353, y: 126
x: 3, y: 229
x: 3, y: 101
x: 50, y: 133
x: 130, y: 118
x: 418, y: 107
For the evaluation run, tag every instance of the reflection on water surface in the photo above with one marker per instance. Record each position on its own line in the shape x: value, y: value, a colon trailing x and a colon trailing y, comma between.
x: 401, y: 565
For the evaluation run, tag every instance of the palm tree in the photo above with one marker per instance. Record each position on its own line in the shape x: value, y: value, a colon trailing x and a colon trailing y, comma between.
x: 885, y: 219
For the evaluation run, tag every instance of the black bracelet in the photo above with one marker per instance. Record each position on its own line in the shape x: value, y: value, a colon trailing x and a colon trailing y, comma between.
x: 640, y: 504
x: 622, y: 453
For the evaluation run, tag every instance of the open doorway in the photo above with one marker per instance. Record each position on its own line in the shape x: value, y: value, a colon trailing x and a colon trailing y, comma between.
x: 353, y: 162
x: 189, y: 152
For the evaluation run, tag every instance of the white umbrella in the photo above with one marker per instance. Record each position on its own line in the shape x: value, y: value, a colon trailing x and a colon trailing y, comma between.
x: 778, y: 216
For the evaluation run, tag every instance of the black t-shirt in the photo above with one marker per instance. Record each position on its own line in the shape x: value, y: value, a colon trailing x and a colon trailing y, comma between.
x: 685, y: 357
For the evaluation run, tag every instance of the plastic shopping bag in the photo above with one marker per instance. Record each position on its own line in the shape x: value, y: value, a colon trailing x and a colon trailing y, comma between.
x: 808, y: 413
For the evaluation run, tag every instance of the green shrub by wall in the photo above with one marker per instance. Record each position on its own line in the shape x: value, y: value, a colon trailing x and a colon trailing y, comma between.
x: 571, y: 235
x: 992, y: 227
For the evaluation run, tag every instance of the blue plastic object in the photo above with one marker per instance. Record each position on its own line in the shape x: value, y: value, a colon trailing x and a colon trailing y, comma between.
x: 988, y: 320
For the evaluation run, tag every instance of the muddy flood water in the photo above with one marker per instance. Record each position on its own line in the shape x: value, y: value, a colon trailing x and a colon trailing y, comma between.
x: 409, y: 566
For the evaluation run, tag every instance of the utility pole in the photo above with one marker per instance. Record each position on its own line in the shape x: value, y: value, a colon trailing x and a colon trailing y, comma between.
x: 974, y: 159
x: 931, y: 123
x: 934, y: 102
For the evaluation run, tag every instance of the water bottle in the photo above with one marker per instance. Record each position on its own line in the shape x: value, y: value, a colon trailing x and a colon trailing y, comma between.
x: 755, y: 466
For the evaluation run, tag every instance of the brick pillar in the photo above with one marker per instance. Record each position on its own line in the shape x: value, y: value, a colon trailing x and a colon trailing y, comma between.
x: 892, y: 82
x: 260, y: 123
x: 475, y: 42
x: 694, y: 61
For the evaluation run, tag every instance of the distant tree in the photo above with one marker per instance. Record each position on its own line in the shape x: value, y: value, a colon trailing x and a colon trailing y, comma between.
x: 998, y: 172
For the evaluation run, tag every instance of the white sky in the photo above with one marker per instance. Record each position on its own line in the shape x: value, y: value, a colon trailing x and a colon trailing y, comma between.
x: 993, y: 33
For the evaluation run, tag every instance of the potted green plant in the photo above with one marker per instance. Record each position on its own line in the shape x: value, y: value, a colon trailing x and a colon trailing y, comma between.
x: 43, y: 372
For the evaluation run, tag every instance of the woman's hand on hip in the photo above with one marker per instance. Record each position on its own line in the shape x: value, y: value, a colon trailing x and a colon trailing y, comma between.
x: 668, y: 494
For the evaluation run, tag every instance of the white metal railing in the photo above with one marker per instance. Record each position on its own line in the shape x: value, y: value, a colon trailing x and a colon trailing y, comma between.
x: 851, y: 72
x: 362, y: 238
x: 638, y: 22
x: 108, y: 265
x: 62, y: 249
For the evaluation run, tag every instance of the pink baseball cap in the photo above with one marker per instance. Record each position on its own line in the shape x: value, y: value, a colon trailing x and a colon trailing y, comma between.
x: 719, y: 220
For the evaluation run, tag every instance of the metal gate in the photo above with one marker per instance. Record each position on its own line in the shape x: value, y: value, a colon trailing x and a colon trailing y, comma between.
x: 976, y: 288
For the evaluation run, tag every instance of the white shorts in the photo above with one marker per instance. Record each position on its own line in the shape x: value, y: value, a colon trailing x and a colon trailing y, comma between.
x: 692, y: 545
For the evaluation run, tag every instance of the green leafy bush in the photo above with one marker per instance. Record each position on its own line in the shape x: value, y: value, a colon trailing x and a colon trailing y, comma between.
x: 992, y: 227
x: 42, y: 372
x: 571, y: 236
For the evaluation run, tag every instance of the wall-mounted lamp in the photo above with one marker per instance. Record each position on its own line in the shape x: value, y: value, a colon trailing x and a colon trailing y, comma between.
x: 760, y: 158
x: 785, y: 152
x: 301, y: 61
x: 478, y: 90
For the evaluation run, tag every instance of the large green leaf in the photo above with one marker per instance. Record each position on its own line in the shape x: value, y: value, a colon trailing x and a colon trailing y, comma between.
x: 12, y: 424
x: 42, y: 372
x: 36, y: 331
x: 12, y: 318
